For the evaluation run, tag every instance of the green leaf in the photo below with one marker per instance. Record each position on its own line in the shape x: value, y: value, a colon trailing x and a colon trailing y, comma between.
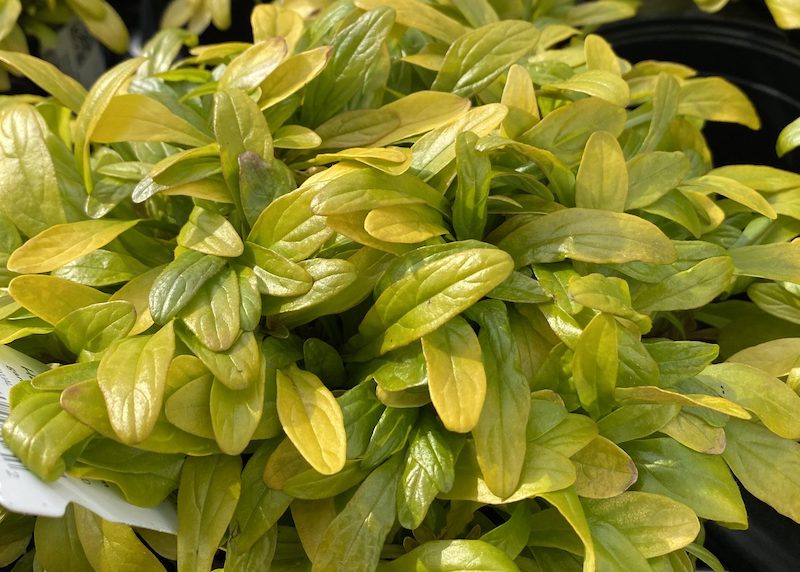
x: 716, y: 99
x: 770, y: 399
x: 452, y: 556
x: 235, y: 415
x: 788, y: 138
x: 210, y: 233
x: 654, y: 524
x: 702, y: 482
x: 429, y: 468
x: 390, y: 435
x: 355, y: 50
x: 353, y: 540
x: 29, y: 193
x: 207, y: 495
x: 94, y: 328
x: 695, y: 433
x: 64, y: 88
x: 312, y: 419
x: 776, y: 357
x: 293, y: 74
x: 62, y: 298
x: 474, y: 178
x: 57, y: 543
x: 603, y: 84
x: 586, y: 235
x: 652, y: 175
x: 132, y: 376
x: 213, y: 313
x: 596, y: 363
x: 679, y: 360
x: 733, y: 190
x: 46, y: 251
x: 238, y: 367
x: 607, y: 295
x: 602, y: 180
x: 250, y: 68
x: 614, y: 550
x: 636, y: 421
x: 688, y: 289
x: 655, y: 395
x: 421, y: 16
x: 179, y: 282
x: 500, y: 432
x: 101, y: 268
x: 136, y: 117
x: 603, y: 470
x: 779, y: 261
x: 568, y: 504
x: 456, y: 374
x: 766, y: 464
x: 427, y: 298
x: 102, y: 22
x: 63, y: 376
x: 405, y: 224
x: 512, y: 536
x: 189, y: 406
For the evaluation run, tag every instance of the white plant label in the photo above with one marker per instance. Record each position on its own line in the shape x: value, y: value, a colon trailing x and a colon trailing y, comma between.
x: 23, y: 492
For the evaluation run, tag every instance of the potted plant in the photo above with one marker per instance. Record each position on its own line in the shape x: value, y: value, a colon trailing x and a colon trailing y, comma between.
x: 398, y: 287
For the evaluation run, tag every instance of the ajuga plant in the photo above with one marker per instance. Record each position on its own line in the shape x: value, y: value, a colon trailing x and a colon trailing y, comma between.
x: 403, y: 286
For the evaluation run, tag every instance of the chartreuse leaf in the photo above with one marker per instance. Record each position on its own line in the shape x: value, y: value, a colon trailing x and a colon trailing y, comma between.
x: 62, y: 298
x: 631, y: 422
x: 311, y: 519
x: 57, y: 543
x: 312, y: 419
x: 260, y: 554
x: 93, y: 328
x: 500, y: 432
x: 788, y: 138
x: 63, y: 243
x: 474, y: 178
x: 602, y: 179
x: 652, y: 175
x: 609, y: 295
x: 353, y: 540
x: 733, y: 190
x: 456, y: 374
x: 210, y: 233
x: 776, y: 300
x: 776, y: 357
x: 766, y: 464
x: 596, y: 363
x: 63, y: 376
x: 421, y: 16
x: 274, y: 274
x: 678, y: 360
x: 586, y: 235
x: 770, y: 399
x: 207, y: 495
x: 695, y: 433
x: 137, y: 292
x: 235, y: 415
x: 404, y: 224
x: 213, y: 314
x: 252, y: 67
x: 106, y: 544
x: 29, y: 192
x: 778, y: 261
x: 603, y: 84
x: 702, y: 482
x: 651, y: 394
x: 391, y: 160
x: 654, y: 524
x: 390, y: 435
x: 179, y: 282
x: 614, y: 550
x: 429, y: 469
x: 132, y: 376
x: 512, y: 536
x: 355, y: 50
x: 40, y: 433
x: 478, y: 57
x: 691, y: 288
x: 519, y: 97
x: 603, y: 470
x: 64, y: 88
x: 250, y: 300
x: 188, y: 406
x: 568, y: 504
x: 431, y: 295
x: 716, y: 99
x: 292, y: 74
x: 452, y: 556
x: 238, y: 367
x: 137, y: 117
x: 268, y: 21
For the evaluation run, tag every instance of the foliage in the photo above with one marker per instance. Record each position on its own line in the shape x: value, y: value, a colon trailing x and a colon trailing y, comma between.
x: 399, y: 286
x: 785, y: 12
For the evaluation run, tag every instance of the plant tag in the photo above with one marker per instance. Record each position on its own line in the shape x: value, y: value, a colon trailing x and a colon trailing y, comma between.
x: 23, y: 492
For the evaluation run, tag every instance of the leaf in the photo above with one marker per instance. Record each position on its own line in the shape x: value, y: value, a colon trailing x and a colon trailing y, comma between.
x: 106, y: 25
x: 770, y: 399
x: 603, y: 84
x: 291, y: 75
x: 353, y: 539
x: 775, y: 357
x: 207, y: 495
x: 586, y: 235
x: 602, y: 180
x: 405, y: 224
x: 788, y: 138
x: 269, y: 21
x: 474, y: 178
x: 296, y: 137
x: 235, y: 415
x: 607, y: 295
x: 456, y: 374
x: 679, y: 360
x: 702, y: 482
x: 238, y: 367
x: 63, y: 376
x: 276, y: 275
x: 57, y: 543
x: 46, y: 251
x: 105, y: 544
x: 355, y: 50
x: 567, y: 503
x: 62, y: 298
x: 649, y: 394
x: 652, y: 175
x: 210, y: 233
x: 389, y: 436
x: 478, y: 57
x: 776, y: 300
x: 693, y: 432
x: 94, y: 328
x: 65, y: 89
x: 250, y: 68
x: 177, y: 284
x: 614, y: 550
x: 654, y: 524
x: 733, y: 190
x: 213, y: 313
x: 596, y: 363
x: 189, y: 407
x: 434, y: 293
x: 421, y: 16
x: 453, y: 556
x: 136, y: 117
x: 428, y: 469
x: 716, y: 99
x: 132, y: 376
x: 312, y: 419
x: 631, y: 422
x: 778, y: 261
x: 603, y: 470
x: 692, y: 288
x: 29, y: 193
